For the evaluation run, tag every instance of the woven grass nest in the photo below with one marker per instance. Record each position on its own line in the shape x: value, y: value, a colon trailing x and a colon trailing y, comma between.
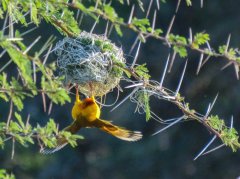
x: 90, y: 60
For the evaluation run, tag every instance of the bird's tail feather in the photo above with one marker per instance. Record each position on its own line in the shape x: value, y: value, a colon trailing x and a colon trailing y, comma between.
x: 117, y: 131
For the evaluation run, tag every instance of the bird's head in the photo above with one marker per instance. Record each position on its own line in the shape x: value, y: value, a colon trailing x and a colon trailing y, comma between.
x: 88, y: 101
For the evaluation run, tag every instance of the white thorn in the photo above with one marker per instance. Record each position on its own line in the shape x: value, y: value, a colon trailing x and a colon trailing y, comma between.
x: 227, y: 65
x: 46, y: 57
x: 172, y: 60
x: 30, y: 46
x: 131, y: 15
x: 209, y: 47
x: 133, y: 46
x: 227, y: 44
x: 124, y: 99
x: 177, y: 7
x: 134, y: 85
x: 170, y: 27
x: 106, y: 30
x: 3, y: 52
x: 190, y: 36
x: 201, y: 3
x: 6, y: 65
x: 34, y: 71
x: 136, y: 56
x: 96, y: 5
x: 208, y: 111
x: 4, y: 24
x: 94, y: 25
x: 212, y: 104
x: 164, y: 72
x: 181, y: 79
x: 206, y: 59
x: 154, y: 20
x: 199, y: 64
x: 205, y: 148
x: 163, y: 129
x: 28, y: 31
x: 149, y: 8
x: 231, y: 124
x: 236, y: 67
x: 158, y: 5
x: 214, y: 149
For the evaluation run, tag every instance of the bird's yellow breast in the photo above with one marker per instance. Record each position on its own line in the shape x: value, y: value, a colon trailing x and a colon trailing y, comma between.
x: 87, y: 110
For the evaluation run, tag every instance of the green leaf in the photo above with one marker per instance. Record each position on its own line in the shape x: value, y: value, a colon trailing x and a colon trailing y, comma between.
x: 71, y: 138
x: 56, y: 93
x: 17, y: 96
x: 22, y: 61
x: 60, y: 17
x: 142, y: 24
x: 34, y: 13
x: 230, y: 53
x: 48, y: 134
x: 118, y: 30
x: 179, y: 43
x: 143, y: 98
x: 142, y: 71
x: 5, y: 175
x: 140, y: 4
x: 19, y: 119
x: 17, y: 101
x: 1, y: 143
x: 182, y: 51
x: 14, y: 127
x: 147, y: 106
x: 1, y: 13
x: 51, y: 127
x: 157, y: 32
x: 4, y: 96
x: 179, y: 40
x: 189, y: 2
x: 110, y: 12
x: 15, y: 13
x: 229, y: 136
x: 200, y: 39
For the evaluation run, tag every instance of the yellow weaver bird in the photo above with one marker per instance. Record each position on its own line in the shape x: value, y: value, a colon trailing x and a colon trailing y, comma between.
x: 87, y: 113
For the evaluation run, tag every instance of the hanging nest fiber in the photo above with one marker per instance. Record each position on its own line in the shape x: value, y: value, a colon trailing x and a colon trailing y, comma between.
x: 90, y: 61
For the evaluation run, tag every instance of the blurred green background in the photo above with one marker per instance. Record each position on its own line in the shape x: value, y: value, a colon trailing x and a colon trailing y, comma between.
x: 169, y: 154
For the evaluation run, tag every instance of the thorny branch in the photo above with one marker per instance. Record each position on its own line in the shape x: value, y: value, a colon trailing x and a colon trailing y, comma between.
x: 209, y: 52
x: 177, y: 100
